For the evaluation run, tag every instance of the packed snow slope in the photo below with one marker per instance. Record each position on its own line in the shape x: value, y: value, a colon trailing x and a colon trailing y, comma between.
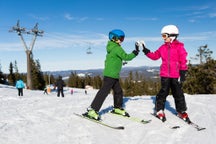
x: 36, y: 118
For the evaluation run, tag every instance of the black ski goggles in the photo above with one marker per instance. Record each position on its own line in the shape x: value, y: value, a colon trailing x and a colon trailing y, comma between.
x: 121, y: 38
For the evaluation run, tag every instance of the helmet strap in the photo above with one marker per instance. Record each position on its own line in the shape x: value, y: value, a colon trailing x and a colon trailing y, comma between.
x: 173, y: 38
x: 116, y: 40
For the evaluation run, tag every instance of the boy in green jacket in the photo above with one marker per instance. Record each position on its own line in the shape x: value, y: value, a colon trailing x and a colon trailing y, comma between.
x: 113, y: 64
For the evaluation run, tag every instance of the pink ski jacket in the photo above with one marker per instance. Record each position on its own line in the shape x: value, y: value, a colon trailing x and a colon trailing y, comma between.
x: 173, y: 57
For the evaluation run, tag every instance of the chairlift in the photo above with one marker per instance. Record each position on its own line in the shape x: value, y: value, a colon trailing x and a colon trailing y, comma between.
x: 88, y: 51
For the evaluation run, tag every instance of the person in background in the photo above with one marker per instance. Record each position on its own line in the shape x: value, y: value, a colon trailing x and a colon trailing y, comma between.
x: 174, y: 65
x: 60, y: 87
x: 71, y: 91
x: 113, y: 64
x: 20, y: 85
x: 45, y: 90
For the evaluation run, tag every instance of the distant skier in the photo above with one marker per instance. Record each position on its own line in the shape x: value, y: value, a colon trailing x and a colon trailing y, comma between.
x: 72, y: 92
x: 45, y: 90
x: 60, y: 87
x: 113, y: 64
x: 20, y: 85
x: 173, y: 55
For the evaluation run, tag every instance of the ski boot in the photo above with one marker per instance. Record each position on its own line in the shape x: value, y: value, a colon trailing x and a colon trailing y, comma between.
x: 161, y: 115
x: 120, y: 111
x: 184, y: 116
x: 92, y: 114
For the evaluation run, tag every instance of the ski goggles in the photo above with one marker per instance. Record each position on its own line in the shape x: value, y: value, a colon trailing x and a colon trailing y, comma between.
x: 121, y: 38
x: 166, y: 35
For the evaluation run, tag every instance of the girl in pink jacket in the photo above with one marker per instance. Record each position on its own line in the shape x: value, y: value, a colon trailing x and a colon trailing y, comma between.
x: 173, y: 55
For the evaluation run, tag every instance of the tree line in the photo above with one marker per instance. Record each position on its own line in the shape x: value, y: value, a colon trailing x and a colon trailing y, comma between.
x: 201, y: 78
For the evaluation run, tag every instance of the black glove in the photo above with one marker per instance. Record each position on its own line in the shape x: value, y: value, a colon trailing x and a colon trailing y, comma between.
x: 137, y: 46
x: 182, y: 75
x: 145, y: 50
x: 136, y: 51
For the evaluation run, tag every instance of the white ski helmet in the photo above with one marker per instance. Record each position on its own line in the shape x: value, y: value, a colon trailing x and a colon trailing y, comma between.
x: 170, y: 29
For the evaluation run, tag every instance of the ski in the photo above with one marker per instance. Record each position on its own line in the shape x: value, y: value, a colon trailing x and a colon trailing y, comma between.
x: 172, y: 127
x: 100, y: 122
x: 196, y: 126
x: 188, y: 121
x: 135, y: 119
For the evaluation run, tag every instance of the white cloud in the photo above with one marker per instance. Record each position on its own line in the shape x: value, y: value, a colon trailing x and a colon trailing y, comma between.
x: 68, y: 16
x: 192, y: 20
x: 83, y: 19
x: 212, y: 15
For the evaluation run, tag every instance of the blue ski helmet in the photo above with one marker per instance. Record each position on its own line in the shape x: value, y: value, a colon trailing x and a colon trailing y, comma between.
x: 116, y: 34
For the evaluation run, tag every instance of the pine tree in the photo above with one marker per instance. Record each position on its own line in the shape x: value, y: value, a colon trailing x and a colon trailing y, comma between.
x: 11, y: 76
x: 88, y: 80
x: 97, y: 82
x: 72, y: 82
x: 17, y: 74
x: 129, y: 86
x: 201, y: 78
x: 37, y: 75
x: 2, y: 78
x: 80, y: 82
x: 204, y: 54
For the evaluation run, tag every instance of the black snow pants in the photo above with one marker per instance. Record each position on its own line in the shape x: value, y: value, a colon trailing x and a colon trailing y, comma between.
x: 108, y: 84
x: 177, y: 92
x: 60, y: 91
x: 20, y: 91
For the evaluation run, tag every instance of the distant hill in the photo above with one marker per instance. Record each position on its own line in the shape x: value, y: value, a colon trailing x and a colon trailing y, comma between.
x: 148, y: 72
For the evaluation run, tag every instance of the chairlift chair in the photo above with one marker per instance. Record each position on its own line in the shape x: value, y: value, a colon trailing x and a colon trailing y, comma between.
x: 88, y: 51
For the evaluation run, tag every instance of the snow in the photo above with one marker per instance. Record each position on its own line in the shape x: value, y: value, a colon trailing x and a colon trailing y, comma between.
x: 36, y: 118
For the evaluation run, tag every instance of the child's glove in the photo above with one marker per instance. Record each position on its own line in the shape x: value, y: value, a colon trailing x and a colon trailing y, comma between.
x: 142, y: 43
x: 137, y: 45
x: 182, y: 75
x: 136, y: 51
x: 145, y: 50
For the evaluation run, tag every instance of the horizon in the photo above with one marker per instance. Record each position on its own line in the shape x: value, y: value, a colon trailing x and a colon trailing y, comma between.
x: 91, y: 69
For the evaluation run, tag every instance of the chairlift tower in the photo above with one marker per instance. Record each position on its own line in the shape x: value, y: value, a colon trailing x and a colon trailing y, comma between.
x: 35, y: 32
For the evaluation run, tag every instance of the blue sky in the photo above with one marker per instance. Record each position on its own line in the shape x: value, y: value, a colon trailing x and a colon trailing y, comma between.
x: 72, y: 26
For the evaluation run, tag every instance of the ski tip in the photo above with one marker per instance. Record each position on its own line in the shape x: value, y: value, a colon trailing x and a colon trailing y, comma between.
x: 175, y: 127
x: 145, y: 121
x: 199, y: 129
x: 120, y: 128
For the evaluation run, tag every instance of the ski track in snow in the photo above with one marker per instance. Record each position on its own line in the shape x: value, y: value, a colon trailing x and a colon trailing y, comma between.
x: 36, y: 118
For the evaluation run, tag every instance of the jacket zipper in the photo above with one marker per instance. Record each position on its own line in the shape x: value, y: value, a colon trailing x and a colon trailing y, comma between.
x: 169, y: 60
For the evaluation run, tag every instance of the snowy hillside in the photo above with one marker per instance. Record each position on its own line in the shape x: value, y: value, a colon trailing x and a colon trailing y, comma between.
x: 36, y: 118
